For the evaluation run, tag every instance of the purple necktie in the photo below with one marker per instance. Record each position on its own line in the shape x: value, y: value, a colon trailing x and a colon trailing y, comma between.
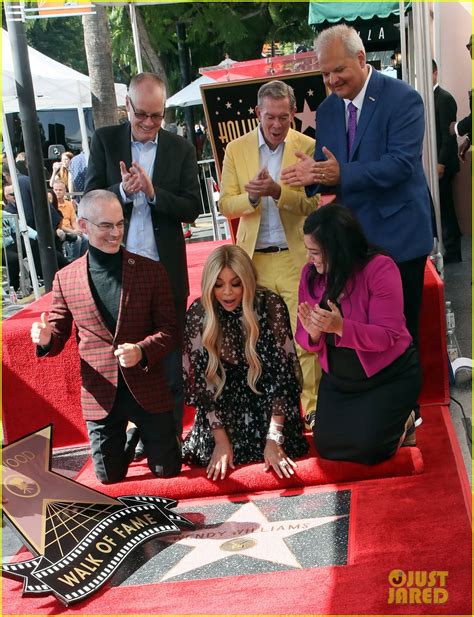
x: 351, y: 127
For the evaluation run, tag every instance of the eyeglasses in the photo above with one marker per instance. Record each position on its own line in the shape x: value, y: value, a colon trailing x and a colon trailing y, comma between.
x: 141, y: 115
x: 106, y: 226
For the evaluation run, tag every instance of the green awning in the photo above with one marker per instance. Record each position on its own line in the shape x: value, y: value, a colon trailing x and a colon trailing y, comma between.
x: 320, y: 12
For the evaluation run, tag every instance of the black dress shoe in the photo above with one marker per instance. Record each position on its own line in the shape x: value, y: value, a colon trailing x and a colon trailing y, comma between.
x: 139, y: 451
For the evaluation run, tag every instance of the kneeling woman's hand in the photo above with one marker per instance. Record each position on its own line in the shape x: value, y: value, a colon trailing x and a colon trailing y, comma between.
x: 223, y: 456
x: 274, y: 456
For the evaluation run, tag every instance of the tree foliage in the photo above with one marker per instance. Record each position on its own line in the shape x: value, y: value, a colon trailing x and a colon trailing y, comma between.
x: 213, y: 30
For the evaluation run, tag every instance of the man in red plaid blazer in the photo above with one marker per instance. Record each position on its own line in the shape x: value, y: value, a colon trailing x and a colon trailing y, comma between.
x: 124, y: 316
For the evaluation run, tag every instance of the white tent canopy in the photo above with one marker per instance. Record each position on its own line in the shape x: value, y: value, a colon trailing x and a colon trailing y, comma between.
x: 190, y: 95
x: 56, y: 86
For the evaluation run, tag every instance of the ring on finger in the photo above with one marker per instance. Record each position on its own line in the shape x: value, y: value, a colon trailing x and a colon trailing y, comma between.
x: 283, y: 463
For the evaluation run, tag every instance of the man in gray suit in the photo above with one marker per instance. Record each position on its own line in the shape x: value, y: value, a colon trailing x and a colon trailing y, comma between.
x: 154, y: 174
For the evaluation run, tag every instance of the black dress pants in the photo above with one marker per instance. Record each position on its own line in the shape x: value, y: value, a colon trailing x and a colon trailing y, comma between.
x: 449, y: 221
x: 413, y: 275
x: 112, y: 449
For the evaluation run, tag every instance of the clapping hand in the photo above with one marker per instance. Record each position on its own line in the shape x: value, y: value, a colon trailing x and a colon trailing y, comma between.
x: 301, y: 173
x: 135, y: 179
x: 263, y: 185
x: 327, y: 321
x: 316, y: 320
x: 305, y: 311
x: 130, y: 181
x: 327, y: 172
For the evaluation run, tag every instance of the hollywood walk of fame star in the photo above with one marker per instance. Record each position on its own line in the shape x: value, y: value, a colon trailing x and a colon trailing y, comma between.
x: 306, y: 117
x: 247, y: 532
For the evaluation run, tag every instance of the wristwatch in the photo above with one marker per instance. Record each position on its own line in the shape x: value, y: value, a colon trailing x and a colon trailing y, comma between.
x: 277, y: 437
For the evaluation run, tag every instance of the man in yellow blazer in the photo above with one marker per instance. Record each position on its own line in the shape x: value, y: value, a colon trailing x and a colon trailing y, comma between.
x: 271, y: 214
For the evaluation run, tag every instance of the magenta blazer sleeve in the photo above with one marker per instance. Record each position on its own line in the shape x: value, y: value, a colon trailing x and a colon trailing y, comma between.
x: 373, y: 320
x: 382, y: 295
x: 301, y: 336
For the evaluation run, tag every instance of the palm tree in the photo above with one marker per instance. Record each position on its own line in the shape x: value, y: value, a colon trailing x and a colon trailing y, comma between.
x: 99, y: 61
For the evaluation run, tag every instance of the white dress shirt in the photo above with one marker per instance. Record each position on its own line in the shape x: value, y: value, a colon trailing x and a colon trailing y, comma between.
x: 140, y: 237
x: 271, y: 232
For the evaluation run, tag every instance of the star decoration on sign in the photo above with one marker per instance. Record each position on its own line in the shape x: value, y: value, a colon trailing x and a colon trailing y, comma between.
x: 306, y: 117
x: 247, y: 532
x: 251, y: 111
x: 310, y: 92
x: 228, y: 105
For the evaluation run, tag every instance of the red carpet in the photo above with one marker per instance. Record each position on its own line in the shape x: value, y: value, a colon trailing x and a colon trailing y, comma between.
x: 416, y: 523
x: 312, y: 471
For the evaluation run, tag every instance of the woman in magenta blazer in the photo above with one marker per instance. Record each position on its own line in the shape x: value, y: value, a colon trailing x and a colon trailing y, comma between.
x: 351, y: 315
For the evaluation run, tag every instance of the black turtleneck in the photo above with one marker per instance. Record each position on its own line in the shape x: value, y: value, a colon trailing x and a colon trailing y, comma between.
x: 105, y: 277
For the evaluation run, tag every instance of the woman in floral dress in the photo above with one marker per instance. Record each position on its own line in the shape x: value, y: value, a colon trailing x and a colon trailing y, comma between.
x: 241, y: 372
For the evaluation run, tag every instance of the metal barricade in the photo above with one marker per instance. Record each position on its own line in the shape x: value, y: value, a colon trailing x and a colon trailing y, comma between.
x: 25, y: 280
x: 220, y: 225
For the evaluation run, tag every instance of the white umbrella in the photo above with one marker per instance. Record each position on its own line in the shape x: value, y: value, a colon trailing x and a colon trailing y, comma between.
x: 190, y: 95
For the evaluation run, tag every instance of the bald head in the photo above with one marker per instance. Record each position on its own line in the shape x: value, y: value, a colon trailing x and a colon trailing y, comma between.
x: 146, y: 82
x: 101, y: 218
x: 97, y: 202
x: 146, y: 106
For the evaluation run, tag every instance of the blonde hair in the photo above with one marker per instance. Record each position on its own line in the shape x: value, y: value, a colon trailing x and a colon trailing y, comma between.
x: 236, y: 259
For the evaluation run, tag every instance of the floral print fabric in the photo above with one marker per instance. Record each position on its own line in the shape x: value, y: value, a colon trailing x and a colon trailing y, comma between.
x: 244, y: 415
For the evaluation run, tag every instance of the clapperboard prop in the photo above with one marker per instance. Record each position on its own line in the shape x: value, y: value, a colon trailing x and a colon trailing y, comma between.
x: 78, y: 536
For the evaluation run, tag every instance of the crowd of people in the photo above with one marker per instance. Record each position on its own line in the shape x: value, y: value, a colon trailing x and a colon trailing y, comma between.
x: 311, y: 318
x: 64, y: 181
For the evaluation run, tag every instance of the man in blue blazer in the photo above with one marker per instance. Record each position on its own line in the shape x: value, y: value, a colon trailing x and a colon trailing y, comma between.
x: 380, y: 178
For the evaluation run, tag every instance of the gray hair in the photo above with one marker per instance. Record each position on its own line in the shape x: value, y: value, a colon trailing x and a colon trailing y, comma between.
x: 276, y: 89
x: 90, y: 200
x: 143, y: 78
x: 345, y: 34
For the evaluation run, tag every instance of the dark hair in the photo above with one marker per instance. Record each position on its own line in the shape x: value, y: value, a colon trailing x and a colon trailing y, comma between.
x: 344, y: 246
x: 54, y: 201
x: 434, y: 66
